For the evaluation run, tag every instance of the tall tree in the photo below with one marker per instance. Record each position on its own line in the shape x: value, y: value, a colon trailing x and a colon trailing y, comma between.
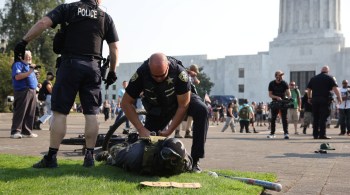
x: 5, y: 82
x: 205, y: 84
x: 18, y: 16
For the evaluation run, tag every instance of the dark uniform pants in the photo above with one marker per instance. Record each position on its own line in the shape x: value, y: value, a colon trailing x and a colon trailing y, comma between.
x: 274, y: 113
x: 320, y: 110
x: 199, y: 111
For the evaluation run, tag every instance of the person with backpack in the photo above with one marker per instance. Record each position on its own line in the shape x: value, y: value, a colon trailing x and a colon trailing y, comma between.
x: 245, y: 113
x: 44, y: 96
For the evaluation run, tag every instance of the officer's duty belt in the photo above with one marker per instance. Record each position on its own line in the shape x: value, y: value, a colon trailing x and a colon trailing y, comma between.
x: 81, y: 57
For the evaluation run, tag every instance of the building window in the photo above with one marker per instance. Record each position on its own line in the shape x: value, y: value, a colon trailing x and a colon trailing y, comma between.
x: 114, y: 87
x: 114, y: 97
x: 241, y: 73
x: 240, y: 88
x: 301, y: 78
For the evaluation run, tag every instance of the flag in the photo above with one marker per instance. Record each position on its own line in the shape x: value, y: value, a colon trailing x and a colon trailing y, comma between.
x: 206, y: 98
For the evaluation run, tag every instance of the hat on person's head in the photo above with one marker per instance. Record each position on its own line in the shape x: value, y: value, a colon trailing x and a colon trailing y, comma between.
x: 326, y: 146
x: 50, y: 73
x: 194, y: 68
x: 279, y: 73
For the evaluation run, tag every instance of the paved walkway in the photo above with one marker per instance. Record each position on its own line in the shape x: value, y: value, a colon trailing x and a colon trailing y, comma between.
x: 299, y: 169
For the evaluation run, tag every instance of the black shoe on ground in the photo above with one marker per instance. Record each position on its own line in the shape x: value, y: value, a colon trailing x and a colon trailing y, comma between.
x: 43, y: 163
x: 188, y: 134
x: 337, y: 126
x: 248, y: 132
x: 37, y: 125
x: 324, y: 137
x: 89, y: 161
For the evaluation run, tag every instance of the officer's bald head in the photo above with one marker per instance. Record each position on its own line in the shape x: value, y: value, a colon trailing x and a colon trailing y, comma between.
x: 159, y: 65
x: 325, y: 69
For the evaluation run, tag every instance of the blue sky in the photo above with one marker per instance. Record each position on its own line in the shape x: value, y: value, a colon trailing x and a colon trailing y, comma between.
x: 195, y: 27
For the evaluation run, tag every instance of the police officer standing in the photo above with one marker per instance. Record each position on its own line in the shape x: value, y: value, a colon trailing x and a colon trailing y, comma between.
x: 319, y: 95
x: 79, y: 70
x: 167, y: 97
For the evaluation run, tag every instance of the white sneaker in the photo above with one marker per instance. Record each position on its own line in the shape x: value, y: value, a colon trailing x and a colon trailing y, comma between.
x: 286, y: 136
x: 16, y: 136
x: 33, y: 135
x: 271, y: 136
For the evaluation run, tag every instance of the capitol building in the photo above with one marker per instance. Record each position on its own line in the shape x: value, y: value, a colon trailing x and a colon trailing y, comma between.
x: 309, y: 37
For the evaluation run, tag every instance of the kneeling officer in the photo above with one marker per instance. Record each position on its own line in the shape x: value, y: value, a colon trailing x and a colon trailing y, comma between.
x: 167, y: 97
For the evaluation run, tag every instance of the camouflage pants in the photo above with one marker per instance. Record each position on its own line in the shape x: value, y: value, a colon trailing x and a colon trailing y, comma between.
x: 128, y: 157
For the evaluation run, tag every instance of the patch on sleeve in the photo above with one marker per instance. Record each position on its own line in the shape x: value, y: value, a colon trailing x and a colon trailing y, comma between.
x: 134, y: 77
x: 183, y: 76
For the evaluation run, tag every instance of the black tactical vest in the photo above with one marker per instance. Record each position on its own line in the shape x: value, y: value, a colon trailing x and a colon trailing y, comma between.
x: 85, y: 31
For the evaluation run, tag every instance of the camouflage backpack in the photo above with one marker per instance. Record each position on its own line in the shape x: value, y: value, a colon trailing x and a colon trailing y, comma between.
x: 244, y: 113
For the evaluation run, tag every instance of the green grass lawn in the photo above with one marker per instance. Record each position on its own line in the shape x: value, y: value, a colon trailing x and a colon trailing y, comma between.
x: 18, y: 177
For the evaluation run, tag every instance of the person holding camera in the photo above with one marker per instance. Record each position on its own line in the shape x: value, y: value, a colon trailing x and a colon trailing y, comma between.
x: 344, y: 109
x: 319, y: 95
x: 24, y: 83
x: 84, y: 27
x: 278, y: 90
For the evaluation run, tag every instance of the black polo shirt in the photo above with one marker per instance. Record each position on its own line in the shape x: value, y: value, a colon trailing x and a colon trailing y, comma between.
x: 321, y: 85
x: 278, y: 89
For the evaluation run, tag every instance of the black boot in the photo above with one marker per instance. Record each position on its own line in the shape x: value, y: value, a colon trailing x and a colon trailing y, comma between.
x: 304, y: 130
x: 37, y: 125
x: 188, y: 134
